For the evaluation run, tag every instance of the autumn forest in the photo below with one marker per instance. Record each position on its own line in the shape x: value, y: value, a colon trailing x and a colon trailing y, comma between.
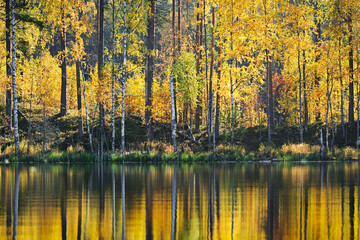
x: 189, y: 76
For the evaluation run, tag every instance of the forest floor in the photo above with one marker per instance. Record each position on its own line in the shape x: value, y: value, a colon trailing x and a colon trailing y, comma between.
x: 57, y: 140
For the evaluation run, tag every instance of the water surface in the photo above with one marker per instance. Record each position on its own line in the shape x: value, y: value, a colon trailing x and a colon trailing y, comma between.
x: 223, y: 201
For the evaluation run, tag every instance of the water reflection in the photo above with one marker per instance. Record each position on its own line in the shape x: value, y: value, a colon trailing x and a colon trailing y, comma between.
x: 235, y: 201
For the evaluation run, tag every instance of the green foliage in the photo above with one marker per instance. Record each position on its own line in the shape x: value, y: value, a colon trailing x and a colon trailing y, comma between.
x: 187, y: 81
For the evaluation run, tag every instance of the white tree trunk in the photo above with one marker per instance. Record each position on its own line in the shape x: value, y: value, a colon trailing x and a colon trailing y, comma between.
x: 213, y: 122
x: 173, y: 116
x: 87, y: 118
x: 13, y: 65
x: 123, y: 85
x: 113, y: 82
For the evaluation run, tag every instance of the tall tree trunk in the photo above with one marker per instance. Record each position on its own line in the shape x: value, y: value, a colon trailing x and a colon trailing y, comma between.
x: 342, y: 93
x: 317, y: 52
x: 113, y: 81
x: 210, y: 127
x: 123, y: 83
x: 173, y: 28
x: 351, y: 71
x: 213, y: 122
x: 198, y: 55
x: 217, y: 116
x: 174, y: 50
x: 100, y: 51
x: 269, y: 96
x: 173, y: 117
x: 232, y: 107
x: 87, y: 117
x: 231, y: 78
x: 78, y: 87
x: 179, y: 27
x: 358, y: 95
x: 306, y: 113
x: 13, y: 65
x: 150, y: 44
x: 8, y: 63
x: 63, y: 107
x: 300, y: 93
x: 328, y: 95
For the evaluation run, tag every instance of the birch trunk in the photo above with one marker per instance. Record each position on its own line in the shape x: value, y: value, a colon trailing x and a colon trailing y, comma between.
x: 198, y: 100
x: 173, y: 117
x: 123, y: 85
x: 113, y: 82
x: 78, y: 88
x: 13, y: 65
x: 8, y: 63
x: 300, y: 93
x: 213, y: 123
x: 87, y: 118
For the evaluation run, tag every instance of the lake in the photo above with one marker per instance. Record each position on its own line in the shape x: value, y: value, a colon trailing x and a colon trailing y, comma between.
x: 185, y: 201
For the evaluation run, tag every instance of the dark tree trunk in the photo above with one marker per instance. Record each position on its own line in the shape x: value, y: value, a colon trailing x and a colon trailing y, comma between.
x: 179, y: 27
x: 300, y: 94
x: 63, y: 107
x: 150, y: 44
x: 198, y: 54
x: 210, y: 92
x: 100, y: 49
x: 8, y: 63
x: 306, y: 113
x: 317, y: 53
x: 217, y: 116
x: 78, y: 87
x: 351, y: 72
x: 113, y: 80
x: 173, y: 28
x: 269, y: 97
x: 342, y: 93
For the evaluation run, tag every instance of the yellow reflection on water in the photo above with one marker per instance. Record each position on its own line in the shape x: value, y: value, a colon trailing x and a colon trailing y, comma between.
x: 240, y: 201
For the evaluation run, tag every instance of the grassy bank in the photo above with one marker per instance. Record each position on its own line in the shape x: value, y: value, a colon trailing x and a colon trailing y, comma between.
x: 58, y: 141
x: 225, y: 153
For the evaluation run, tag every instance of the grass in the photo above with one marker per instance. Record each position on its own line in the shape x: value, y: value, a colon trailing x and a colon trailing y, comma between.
x: 161, y: 152
x: 250, y: 144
